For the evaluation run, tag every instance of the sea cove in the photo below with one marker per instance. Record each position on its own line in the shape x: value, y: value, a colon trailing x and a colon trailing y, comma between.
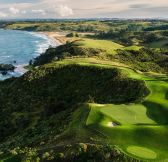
x: 19, y: 47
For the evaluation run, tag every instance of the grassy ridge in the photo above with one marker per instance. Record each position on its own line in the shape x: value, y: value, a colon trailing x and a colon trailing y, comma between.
x: 142, y: 59
x: 44, y: 93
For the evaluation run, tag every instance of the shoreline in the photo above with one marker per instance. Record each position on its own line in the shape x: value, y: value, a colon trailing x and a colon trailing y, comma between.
x: 51, y: 36
x: 58, y: 37
x: 55, y: 37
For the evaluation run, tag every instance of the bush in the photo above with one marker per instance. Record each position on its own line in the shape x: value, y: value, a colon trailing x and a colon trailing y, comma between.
x: 72, y: 35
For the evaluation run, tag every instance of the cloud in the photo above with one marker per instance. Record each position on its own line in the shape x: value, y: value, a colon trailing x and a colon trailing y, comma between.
x: 18, y: 1
x: 39, y: 11
x: 14, y: 10
x: 3, y: 15
x: 141, y: 6
x: 83, y: 9
x: 64, y: 11
x: 23, y: 12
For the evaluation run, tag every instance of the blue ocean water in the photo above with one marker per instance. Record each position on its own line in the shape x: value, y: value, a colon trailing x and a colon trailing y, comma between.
x: 20, y: 47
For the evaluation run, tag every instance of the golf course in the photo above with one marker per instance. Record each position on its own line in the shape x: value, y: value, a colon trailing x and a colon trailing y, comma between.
x: 100, y: 96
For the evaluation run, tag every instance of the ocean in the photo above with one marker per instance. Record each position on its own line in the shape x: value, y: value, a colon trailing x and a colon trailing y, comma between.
x: 19, y: 47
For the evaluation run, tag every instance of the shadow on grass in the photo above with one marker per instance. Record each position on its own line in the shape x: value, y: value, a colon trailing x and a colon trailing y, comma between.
x: 157, y: 112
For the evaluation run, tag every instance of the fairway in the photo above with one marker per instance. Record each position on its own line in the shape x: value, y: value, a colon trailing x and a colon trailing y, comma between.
x: 106, y: 45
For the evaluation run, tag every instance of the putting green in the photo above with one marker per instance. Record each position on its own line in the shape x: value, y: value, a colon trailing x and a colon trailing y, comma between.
x: 142, y: 152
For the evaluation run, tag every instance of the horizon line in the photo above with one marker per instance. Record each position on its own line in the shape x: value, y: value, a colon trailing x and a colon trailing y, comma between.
x: 103, y: 18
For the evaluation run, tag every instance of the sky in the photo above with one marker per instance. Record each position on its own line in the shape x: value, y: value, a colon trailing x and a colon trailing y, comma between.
x: 12, y: 9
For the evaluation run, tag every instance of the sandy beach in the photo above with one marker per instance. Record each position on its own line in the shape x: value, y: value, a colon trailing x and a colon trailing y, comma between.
x: 58, y: 37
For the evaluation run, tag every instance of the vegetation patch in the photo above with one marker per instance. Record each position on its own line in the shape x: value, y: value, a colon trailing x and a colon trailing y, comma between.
x: 159, y: 44
x: 143, y: 59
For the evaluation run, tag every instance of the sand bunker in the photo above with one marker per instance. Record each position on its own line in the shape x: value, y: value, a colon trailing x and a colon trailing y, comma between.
x: 112, y: 124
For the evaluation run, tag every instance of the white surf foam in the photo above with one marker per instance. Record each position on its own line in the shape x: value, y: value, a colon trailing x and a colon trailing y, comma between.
x: 41, y: 47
